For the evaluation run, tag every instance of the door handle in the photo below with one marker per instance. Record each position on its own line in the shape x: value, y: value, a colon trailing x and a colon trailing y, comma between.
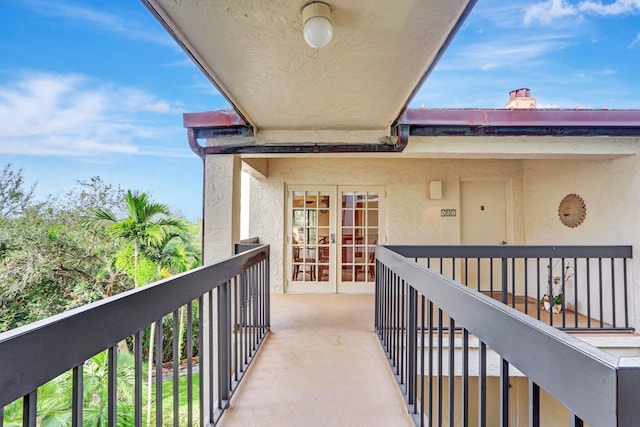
x: 333, y: 238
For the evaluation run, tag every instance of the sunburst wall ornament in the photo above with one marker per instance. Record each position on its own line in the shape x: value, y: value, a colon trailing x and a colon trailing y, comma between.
x: 572, y: 210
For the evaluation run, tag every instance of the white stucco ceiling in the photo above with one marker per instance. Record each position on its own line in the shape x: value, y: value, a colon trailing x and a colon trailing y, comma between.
x: 255, y: 53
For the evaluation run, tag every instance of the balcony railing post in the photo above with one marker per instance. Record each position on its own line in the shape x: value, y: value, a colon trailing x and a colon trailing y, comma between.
x: 224, y: 344
x: 628, y: 403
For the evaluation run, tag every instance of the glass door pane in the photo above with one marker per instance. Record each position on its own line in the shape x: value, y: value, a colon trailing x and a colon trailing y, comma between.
x: 311, y: 247
x: 359, y: 234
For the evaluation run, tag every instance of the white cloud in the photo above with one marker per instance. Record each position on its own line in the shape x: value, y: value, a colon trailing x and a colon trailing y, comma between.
x: 636, y: 42
x: 552, y: 10
x: 508, y: 52
x: 110, y: 22
x: 71, y: 115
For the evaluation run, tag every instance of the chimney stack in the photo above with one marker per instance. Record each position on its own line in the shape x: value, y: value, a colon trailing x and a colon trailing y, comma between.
x: 521, y: 99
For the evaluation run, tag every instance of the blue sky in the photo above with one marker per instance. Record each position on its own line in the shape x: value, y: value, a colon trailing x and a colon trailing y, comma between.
x: 98, y: 88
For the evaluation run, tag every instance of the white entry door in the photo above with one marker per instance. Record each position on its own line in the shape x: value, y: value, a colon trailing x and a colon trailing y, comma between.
x: 332, y: 232
x: 483, y: 222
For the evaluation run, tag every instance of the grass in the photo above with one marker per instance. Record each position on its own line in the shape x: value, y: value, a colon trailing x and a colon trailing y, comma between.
x: 167, y: 400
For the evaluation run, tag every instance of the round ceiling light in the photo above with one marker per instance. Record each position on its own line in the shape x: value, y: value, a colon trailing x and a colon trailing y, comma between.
x: 318, y: 30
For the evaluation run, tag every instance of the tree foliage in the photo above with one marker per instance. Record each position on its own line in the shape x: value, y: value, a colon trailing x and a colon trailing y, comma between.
x: 13, y: 196
x: 51, y: 261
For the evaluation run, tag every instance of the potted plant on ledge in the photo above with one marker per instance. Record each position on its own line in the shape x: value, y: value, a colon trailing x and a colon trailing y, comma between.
x: 554, y: 300
x: 553, y: 303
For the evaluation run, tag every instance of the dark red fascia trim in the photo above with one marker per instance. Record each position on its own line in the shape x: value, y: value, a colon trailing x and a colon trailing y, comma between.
x: 426, y: 122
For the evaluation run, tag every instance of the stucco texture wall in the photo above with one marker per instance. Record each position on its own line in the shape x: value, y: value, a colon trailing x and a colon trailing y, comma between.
x: 611, y: 192
x: 411, y: 218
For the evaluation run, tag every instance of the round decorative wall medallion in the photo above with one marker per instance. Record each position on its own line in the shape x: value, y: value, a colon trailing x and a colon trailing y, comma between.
x: 572, y: 210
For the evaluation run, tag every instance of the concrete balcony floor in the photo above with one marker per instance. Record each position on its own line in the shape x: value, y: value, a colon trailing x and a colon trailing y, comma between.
x: 321, y: 365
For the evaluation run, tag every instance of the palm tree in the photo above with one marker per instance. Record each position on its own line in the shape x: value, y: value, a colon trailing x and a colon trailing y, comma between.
x: 146, y: 225
x: 149, y: 228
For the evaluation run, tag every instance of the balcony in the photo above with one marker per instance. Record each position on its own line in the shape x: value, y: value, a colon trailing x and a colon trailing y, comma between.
x: 457, y: 352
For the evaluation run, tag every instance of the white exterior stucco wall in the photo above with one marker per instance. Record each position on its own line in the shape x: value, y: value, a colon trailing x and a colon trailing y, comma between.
x: 611, y: 192
x: 411, y: 217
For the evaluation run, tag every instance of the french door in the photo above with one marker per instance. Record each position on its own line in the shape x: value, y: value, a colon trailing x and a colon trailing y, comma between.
x: 332, y: 232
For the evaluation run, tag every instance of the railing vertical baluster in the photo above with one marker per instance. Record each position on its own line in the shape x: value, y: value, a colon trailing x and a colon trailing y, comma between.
x: 526, y: 286
x: 158, y: 362
x: 137, y: 387
x: 538, y: 296
x: 453, y: 268
x: 243, y: 320
x: 613, y: 293
x: 201, y: 360
x: 29, y: 409
x: 513, y: 283
x: 396, y: 321
x: 505, y: 280
x: 482, y: 385
x: 376, y: 300
x: 479, y: 263
x: 504, y: 393
x: 550, y: 290
x: 76, y: 396
x: 452, y: 375
x: 422, y: 360
x: 236, y: 328
x: 490, y: 277
x: 212, y: 371
x: 430, y: 378
x: 223, y: 345
x: 588, y: 292
x: 251, y: 313
x: 403, y: 332
x: 254, y: 311
x: 259, y: 285
x: 534, y: 404
x: 601, y: 292
x: 412, y: 351
x: 392, y: 325
x: 440, y: 367
x: 384, y: 309
x: 465, y: 377
x: 176, y: 367
x: 380, y: 277
x: 466, y: 271
x: 624, y: 284
x: 112, y: 393
x: 189, y: 344
x: 564, y: 294
x: 575, y: 292
x: 268, y: 291
x: 575, y: 421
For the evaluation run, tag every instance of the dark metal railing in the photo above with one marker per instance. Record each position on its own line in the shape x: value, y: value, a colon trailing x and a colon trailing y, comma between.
x: 577, y: 288
x: 231, y: 297
x: 441, y: 337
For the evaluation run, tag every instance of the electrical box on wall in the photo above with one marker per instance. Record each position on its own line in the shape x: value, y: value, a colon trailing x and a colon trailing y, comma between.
x: 435, y: 190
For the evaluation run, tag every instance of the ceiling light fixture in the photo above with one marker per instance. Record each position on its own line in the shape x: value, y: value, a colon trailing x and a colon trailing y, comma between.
x: 317, y: 24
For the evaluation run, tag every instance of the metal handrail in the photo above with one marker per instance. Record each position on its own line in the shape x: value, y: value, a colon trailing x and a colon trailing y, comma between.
x: 587, y: 380
x: 592, y: 281
x: 39, y: 352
